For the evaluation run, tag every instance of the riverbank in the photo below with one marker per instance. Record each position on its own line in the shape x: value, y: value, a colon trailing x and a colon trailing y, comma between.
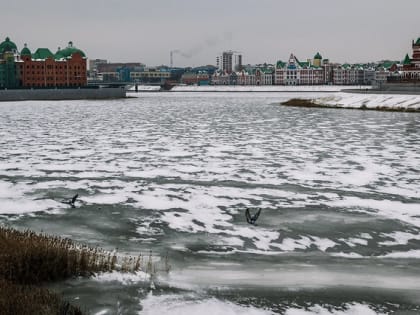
x: 246, y: 88
x: 29, y: 261
x: 364, y: 101
x: 61, y: 94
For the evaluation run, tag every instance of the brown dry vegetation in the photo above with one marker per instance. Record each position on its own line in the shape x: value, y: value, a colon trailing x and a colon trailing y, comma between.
x: 28, y: 300
x: 28, y: 259
x: 299, y: 102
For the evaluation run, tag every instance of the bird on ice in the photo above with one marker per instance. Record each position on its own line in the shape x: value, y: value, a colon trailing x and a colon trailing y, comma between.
x: 72, y: 201
x: 251, y: 219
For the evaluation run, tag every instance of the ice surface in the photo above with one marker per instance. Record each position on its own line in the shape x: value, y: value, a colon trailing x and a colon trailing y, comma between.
x: 350, y: 309
x: 352, y: 100
x: 189, y: 305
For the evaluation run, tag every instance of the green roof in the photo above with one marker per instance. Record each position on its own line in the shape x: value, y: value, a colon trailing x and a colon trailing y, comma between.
x: 68, y: 52
x: 267, y: 70
x: 388, y: 64
x: 280, y: 64
x: 25, y: 51
x: 304, y: 64
x: 42, y: 53
x: 7, y: 45
x: 318, y: 56
x: 418, y: 41
x: 407, y: 60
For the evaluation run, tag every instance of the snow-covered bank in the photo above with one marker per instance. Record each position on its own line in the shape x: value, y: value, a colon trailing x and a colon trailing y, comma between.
x: 261, y: 88
x: 144, y: 88
x: 362, y: 101
x: 247, y: 88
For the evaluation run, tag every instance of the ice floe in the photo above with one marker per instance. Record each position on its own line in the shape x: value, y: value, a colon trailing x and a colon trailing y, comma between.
x: 353, y: 100
x: 349, y: 309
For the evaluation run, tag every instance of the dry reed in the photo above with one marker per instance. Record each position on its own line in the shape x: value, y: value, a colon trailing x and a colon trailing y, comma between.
x: 28, y: 259
x: 28, y: 300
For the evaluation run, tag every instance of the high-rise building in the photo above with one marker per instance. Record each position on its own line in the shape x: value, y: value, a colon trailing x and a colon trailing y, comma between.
x: 227, y: 61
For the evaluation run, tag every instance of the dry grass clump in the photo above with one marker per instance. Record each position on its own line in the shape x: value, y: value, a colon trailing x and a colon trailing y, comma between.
x: 28, y: 300
x: 28, y: 259
x: 300, y: 102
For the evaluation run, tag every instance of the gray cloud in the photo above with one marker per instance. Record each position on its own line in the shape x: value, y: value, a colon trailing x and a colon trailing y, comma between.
x: 263, y: 30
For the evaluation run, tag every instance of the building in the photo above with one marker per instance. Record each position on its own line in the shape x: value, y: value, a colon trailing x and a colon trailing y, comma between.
x: 195, y: 78
x: 93, y: 68
x: 294, y: 72
x: 117, y: 71
x: 93, y: 64
x: 249, y: 75
x: 8, y: 70
x: 154, y: 75
x: 411, y: 66
x: 65, y: 68
x: 229, y: 61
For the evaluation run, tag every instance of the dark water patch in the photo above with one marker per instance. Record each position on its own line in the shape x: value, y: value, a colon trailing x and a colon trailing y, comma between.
x: 332, y: 299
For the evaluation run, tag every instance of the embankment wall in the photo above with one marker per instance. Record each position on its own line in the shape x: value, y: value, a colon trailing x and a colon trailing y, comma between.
x: 61, y: 94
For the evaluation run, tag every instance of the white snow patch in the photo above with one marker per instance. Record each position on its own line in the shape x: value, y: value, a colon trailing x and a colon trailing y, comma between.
x: 347, y: 255
x: 406, y: 212
x: 260, y: 88
x: 304, y: 242
x: 415, y: 253
x: 400, y: 238
x: 124, y: 278
x: 191, y: 305
x: 14, y: 199
x: 355, y: 100
x: 350, y: 309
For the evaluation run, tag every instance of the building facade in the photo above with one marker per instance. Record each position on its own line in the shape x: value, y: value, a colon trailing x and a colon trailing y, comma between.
x: 195, y: 78
x: 42, y: 69
x: 8, y: 70
x: 411, y: 66
x: 294, y: 72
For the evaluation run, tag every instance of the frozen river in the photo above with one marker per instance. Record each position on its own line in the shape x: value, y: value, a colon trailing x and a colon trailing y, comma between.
x: 339, y: 231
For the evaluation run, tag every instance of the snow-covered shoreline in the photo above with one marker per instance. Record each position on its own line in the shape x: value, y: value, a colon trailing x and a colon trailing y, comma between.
x: 247, y: 88
x: 262, y: 88
x: 403, y: 102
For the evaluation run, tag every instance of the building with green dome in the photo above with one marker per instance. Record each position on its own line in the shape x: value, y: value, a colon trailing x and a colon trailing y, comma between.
x: 317, y: 60
x: 8, y: 71
x: 8, y: 46
x: 67, y: 52
x: 41, y: 68
x: 295, y: 72
x: 25, y: 51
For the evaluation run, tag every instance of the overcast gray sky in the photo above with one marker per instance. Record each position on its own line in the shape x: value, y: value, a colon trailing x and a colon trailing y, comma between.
x: 262, y: 30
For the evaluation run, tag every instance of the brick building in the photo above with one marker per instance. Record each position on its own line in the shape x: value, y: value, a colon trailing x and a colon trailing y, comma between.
x: 65, y: 68
x: 411, y: 66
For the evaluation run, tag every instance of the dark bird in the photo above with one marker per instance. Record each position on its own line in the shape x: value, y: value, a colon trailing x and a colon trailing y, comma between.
x: 252, y: 219
x: 72, y: 201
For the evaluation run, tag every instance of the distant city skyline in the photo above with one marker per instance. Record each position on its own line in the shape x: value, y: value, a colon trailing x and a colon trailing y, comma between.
x: 197, y: 31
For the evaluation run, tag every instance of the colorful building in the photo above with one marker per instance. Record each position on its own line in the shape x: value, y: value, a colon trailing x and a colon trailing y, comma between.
x: 249, y: 75
x: 195, y: 78
x: 411, y: 66
x: 294, y: 72
x: 41, y: 69
x: 8, y: 72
